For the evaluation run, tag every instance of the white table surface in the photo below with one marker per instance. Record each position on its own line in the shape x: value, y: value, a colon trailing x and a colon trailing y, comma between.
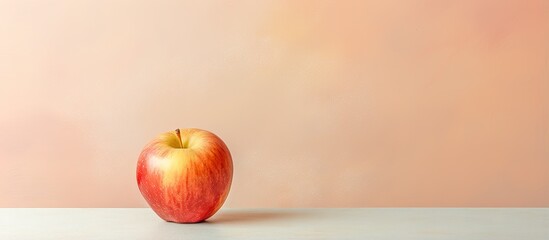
x: 335, y: 223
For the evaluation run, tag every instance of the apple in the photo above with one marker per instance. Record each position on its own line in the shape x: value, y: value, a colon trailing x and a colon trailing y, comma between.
x: 185, y: 175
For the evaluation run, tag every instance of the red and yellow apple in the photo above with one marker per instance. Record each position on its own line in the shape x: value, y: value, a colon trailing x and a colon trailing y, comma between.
x: 185, y: 175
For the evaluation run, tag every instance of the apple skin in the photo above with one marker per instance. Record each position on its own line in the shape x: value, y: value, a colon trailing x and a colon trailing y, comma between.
x: 185, y: 175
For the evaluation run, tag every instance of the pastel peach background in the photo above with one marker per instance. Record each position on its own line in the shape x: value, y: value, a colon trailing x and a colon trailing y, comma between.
x: 323, y: 103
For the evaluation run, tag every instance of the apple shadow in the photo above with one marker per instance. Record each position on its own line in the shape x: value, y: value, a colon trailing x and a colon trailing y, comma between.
x: 256, y: 215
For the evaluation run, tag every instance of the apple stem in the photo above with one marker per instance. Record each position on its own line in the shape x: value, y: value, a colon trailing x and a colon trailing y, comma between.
x: 178, y: 133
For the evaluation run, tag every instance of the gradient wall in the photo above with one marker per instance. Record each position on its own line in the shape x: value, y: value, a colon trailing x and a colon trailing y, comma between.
x: 323, y: 103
